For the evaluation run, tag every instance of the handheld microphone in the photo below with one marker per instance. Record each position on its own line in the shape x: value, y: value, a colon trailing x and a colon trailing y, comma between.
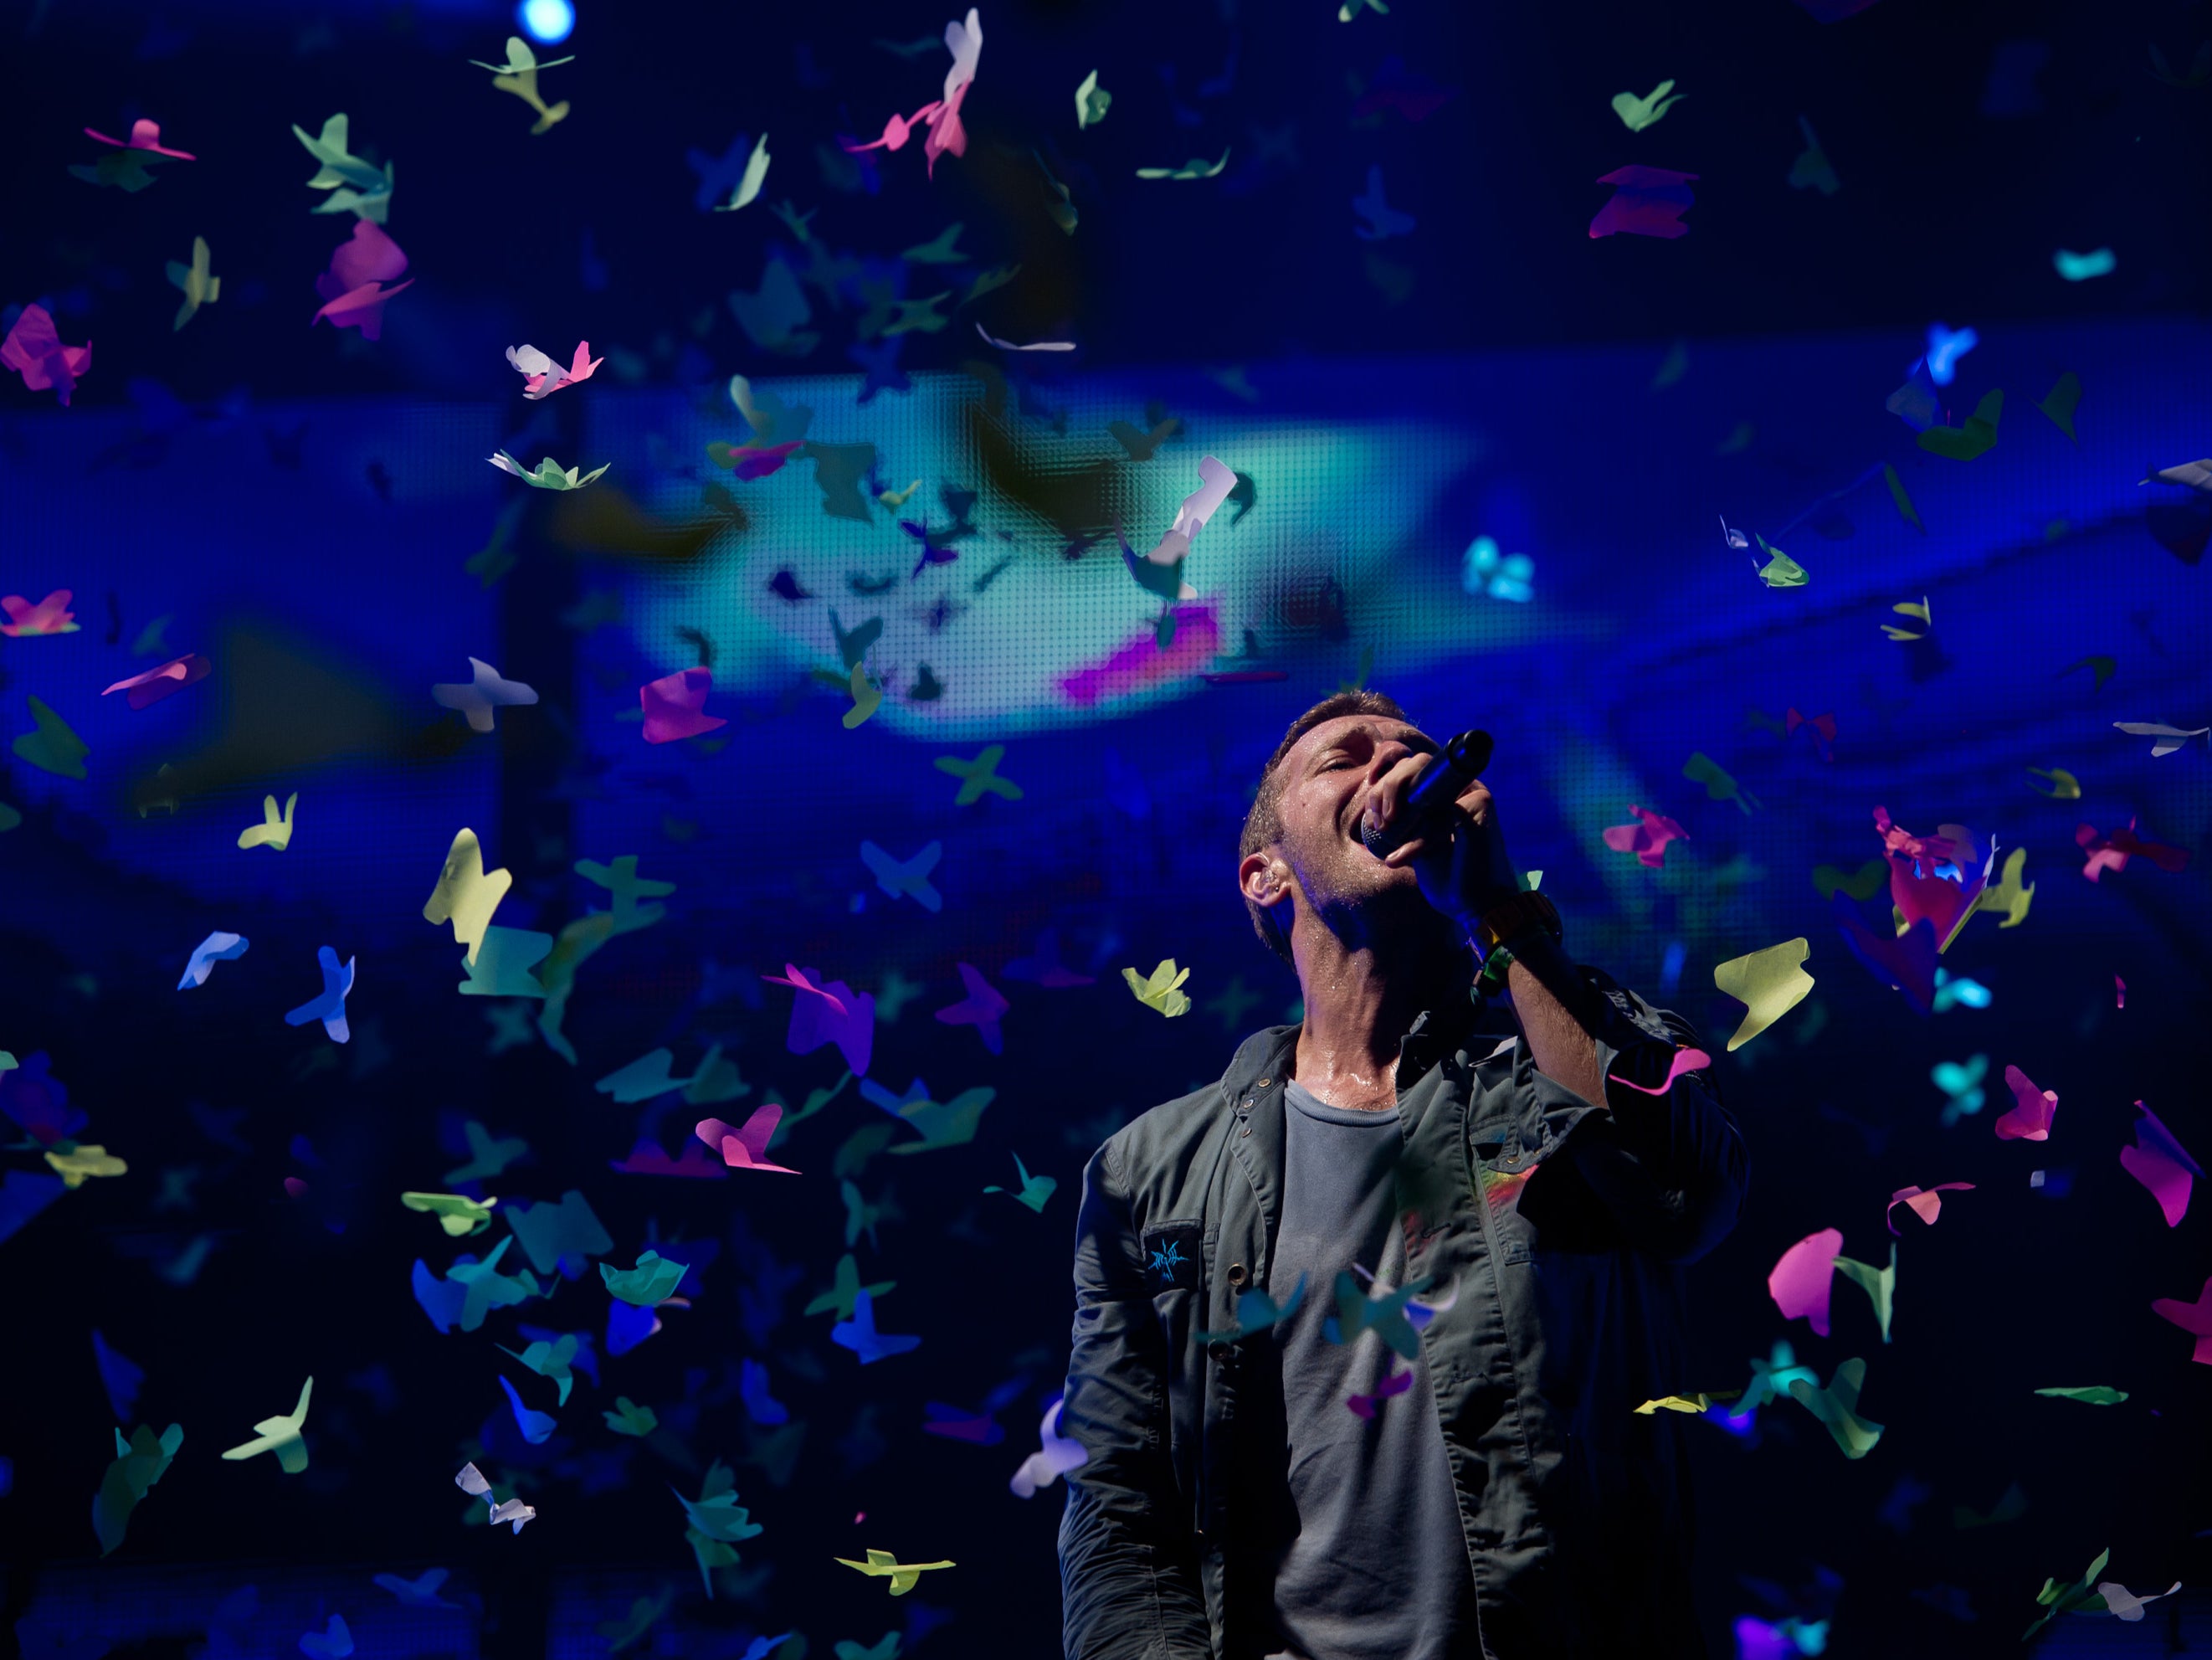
x: 1459, y: 765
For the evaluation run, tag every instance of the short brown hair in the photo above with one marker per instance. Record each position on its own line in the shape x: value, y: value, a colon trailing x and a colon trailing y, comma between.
x: 1264, y: 824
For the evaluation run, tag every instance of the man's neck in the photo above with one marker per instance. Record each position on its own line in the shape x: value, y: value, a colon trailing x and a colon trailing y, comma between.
x: 1359, y: 1004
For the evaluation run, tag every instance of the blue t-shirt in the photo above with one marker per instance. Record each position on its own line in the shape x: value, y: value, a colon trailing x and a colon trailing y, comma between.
x: 1378, y: 1570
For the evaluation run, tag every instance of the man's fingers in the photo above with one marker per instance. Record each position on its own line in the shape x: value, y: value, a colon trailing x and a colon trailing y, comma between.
x: 1407, y: 853
x: 1477, y: 802
x: 1388, y: 793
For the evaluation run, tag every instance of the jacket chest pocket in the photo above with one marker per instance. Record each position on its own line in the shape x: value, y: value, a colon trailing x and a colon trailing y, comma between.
x: 1501, y: 1164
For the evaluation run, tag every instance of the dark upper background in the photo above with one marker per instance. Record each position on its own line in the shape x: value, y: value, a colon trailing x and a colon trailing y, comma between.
x: 1946, y: 212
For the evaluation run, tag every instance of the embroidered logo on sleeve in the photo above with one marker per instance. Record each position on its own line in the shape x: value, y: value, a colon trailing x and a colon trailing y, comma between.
x: 1171, y: 1257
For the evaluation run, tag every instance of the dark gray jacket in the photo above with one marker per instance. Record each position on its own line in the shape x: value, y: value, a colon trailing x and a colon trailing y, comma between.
x: 1564, y: 1226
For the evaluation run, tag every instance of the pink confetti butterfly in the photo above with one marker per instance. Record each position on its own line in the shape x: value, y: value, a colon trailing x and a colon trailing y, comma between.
x: 2031, y: 1119
x: 745, y: 1148
x: 898, y: 128
x: 834, y: 1013
x: 1685, y: 1060
x: 2195, y: 1318
x: 941, y: 117
x: 144, y: 136
x: 541, y: 383
x: 749, y: 462
x: 155, y: 685
x: 1800, y: 1281
x: 1397, y: 1384
x: 52, y: 615
x: 799, y: 979
x: 648, y: 1157
x: 2120, y: 993
x: 676, y: 706
x: 1930, y: 850
x: 34, y: 350
x: 1646, y: 202
x: 2161, y: 1165
x: 1143, y: 663
x: 1919, y: 883
x: 1927, y: 1202
x: 1822, y: 727
x: 353, y: 290
x: 2112, y: 852
x: 981, y: 1008
x: 1648, y: 838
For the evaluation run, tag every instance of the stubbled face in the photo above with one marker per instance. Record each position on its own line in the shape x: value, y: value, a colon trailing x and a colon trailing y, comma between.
x: 1326, y: 780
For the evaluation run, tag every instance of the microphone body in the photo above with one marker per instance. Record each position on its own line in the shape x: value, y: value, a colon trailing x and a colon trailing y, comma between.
x: 1428, y: 803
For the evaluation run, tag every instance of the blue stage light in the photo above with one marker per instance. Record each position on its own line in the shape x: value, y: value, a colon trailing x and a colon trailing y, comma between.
x: 546, y: 22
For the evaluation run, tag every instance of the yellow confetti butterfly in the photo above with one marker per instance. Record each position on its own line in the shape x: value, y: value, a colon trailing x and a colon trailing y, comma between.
x: 275, y: 829
x: 904, y: 1576
x: 1770, y: 981
x: 85, y: 1159
x: 466, y: 895
x: 1163, y: 991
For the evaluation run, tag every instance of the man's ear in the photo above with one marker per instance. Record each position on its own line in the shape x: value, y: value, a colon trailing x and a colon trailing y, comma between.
x: 1263, y: 879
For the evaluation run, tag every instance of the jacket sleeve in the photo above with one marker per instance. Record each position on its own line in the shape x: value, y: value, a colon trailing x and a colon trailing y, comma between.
x: 1670, y: 1168
x: 1128, y: 1566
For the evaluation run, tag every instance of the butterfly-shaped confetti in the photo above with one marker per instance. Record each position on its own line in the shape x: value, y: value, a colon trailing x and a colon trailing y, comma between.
x: 542, y: 376
x: 472, y: 1481
x: 1162, y: 989
x: 1389, y: 1312
x: 745, y: 1148
x: 1647, y: 838
x: 1637, y: 113
x: 52, y: 615
x: 904, y: 1576
x: 676, y: 706
x: 908, y: 877
x: 457, y: 1213
x: 2161, y: 1165
x: 1367, y: 1406
x: 859, y: 1334
x: 2164, y: 740
x: 2111, y: 851
x: 1927, y: 1203
x: 981, y: 1008
x: 333, y: 1642
x: 275, y: 829
x: 1033, y: 1191
x: 653, y: 1281
x: 1054, y: 1457
x: 481, y: 694
x: 280, y: 1435
x: 140, y: 690
x: 549, y: 475
x: 51, y: 745
x: 34, y: 350
x: 217, y: 947
x: 1837, y: 1407
x: 828, y: 1012
x: 329, y: 1007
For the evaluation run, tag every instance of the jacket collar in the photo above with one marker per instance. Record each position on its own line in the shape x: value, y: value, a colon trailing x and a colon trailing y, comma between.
x: 1252, y: 1090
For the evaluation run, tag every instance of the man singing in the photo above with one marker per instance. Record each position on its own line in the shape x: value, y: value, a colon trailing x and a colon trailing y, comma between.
x: 1479, y: 1237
